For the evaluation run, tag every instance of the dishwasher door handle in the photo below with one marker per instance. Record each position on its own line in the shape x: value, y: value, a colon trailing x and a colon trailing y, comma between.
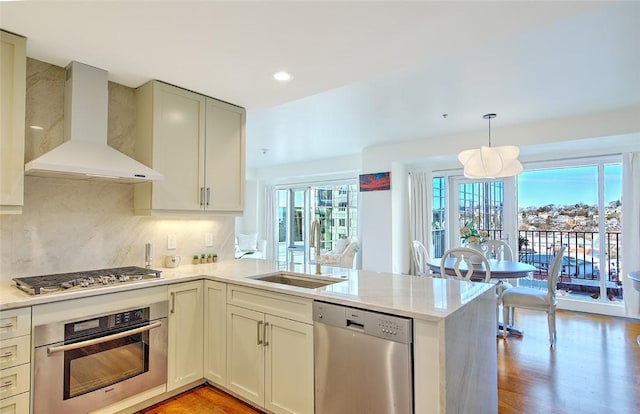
x: 355, y: 325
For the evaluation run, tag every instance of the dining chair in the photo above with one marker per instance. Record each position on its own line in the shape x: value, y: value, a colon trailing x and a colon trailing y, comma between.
x: 420, y: 257
x: 536, y: 299
x: 499, y: 250
x: 471, y: 258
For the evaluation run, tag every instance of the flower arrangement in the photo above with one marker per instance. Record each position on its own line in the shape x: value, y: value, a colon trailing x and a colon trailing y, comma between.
x: 470, y: 235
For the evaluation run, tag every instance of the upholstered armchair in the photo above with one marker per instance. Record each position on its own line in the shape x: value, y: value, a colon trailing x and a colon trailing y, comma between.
x: 342, y: 255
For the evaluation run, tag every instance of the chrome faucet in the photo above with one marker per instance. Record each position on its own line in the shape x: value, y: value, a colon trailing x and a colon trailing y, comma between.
x: 315, y: 241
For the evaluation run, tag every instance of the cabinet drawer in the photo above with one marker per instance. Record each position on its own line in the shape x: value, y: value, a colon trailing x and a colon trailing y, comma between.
x: 286, y: 306
x: 15, y: 351
x: 15, y: 322
x: 14, y: 381
x: 18, y: 404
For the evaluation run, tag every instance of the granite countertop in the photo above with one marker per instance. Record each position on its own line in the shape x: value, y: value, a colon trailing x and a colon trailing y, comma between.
x: 413, y: 296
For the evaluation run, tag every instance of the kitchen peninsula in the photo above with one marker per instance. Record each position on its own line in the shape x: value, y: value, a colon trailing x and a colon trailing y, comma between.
x: 454, y: 353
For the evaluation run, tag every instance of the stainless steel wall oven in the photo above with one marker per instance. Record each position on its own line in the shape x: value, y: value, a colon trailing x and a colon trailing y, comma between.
x: 91, y: 362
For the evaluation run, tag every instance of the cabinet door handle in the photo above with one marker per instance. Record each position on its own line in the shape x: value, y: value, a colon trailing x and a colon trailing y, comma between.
x: 173, y: 302
x: 208, y: 195
x: 6, y: 384
x: 7, y: 325
x: 7, y: 355
x: 259, y: 338
x: 201, y: 196
x: 264, y: 334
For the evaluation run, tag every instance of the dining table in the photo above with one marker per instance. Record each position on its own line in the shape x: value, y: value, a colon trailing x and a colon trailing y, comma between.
x: 500, y: 270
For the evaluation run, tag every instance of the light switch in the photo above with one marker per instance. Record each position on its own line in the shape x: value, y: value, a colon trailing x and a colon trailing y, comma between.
x: 171, y: 242
x: 208, y: 240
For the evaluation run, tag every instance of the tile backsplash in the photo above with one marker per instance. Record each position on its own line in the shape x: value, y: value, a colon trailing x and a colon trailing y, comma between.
x: 71, y: 225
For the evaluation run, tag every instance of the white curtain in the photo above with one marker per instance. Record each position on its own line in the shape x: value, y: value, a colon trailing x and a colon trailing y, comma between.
x: 419, y: 212
x: 630, y: 229
x: 270, y: 221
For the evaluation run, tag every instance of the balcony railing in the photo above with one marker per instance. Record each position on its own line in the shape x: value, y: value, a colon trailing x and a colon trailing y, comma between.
x: 582, y: 267
x: 581, y: 264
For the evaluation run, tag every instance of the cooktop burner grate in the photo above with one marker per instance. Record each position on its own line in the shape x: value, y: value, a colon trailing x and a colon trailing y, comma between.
x: 36, y: 285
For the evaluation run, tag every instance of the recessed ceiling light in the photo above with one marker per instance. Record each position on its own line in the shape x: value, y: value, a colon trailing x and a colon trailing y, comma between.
x: 282, y: 76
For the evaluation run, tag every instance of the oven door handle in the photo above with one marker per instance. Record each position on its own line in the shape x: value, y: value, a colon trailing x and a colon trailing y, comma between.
x: 69, y: 347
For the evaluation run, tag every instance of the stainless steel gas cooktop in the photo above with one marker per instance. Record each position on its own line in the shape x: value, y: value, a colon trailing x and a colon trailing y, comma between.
x: 36, y: 285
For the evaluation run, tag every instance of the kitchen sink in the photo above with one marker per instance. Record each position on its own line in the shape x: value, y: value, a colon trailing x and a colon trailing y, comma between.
x: 309, y: 282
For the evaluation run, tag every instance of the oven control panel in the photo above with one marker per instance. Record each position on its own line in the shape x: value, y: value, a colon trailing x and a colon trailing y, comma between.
x: 105, y: 323
x: 133, y: 316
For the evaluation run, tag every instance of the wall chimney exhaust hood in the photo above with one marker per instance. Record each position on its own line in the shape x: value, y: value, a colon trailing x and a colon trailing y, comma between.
x: 85, y: 153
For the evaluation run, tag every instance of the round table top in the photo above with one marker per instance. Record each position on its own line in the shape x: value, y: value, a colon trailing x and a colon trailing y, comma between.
x: 500, y: 269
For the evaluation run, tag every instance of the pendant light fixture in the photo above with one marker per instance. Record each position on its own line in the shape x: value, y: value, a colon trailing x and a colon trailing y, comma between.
x: 491, y: 162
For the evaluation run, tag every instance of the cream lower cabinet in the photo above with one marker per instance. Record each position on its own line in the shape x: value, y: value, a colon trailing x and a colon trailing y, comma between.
x: 15, y: 357
x: 185, y: 345
x: 215, y: 332
x: 270, y: 357
x: 13, y: 64
x: 197, y: 143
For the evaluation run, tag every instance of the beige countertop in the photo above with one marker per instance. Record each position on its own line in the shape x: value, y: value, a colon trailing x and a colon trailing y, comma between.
x: 418, y: 297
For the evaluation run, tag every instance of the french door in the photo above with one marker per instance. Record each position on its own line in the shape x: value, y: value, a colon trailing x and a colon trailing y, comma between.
x: 490, y: 205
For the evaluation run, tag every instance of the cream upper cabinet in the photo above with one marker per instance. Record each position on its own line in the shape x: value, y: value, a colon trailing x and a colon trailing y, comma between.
x: 197, y: 143
x: 270, y: 349
x: 224, y: 167
x: 13, y: 63
x: 185, y: 347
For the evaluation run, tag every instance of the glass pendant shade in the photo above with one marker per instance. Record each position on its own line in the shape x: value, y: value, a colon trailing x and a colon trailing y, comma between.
x: 491, y: 162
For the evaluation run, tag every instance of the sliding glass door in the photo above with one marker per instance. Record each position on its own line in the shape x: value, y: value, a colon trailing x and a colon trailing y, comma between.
x: 334, y: 205
x: 292, y: 224
x: 580, y: 207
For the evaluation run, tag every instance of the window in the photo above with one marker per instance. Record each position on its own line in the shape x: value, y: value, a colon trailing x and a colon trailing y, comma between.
x: 579, y: 207
x: 334, y: 205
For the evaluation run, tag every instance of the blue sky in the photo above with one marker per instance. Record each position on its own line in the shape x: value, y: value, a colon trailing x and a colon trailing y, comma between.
x: 567, y: 186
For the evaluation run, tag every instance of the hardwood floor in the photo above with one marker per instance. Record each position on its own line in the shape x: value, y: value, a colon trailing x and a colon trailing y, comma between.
x: 594, y: 368
x: 201, y: 400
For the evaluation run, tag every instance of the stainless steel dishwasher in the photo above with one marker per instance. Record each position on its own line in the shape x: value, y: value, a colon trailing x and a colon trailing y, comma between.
x: 363, y: 361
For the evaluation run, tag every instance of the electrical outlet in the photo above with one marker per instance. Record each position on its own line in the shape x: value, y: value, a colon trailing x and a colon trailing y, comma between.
x: 208, y: 240
x: 171, y: 242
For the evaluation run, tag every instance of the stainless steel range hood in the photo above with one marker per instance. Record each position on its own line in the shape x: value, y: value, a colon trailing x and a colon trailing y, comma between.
x: 85, y: 153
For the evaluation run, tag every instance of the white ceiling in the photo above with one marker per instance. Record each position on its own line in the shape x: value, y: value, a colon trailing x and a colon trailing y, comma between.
x: 365, y: 73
